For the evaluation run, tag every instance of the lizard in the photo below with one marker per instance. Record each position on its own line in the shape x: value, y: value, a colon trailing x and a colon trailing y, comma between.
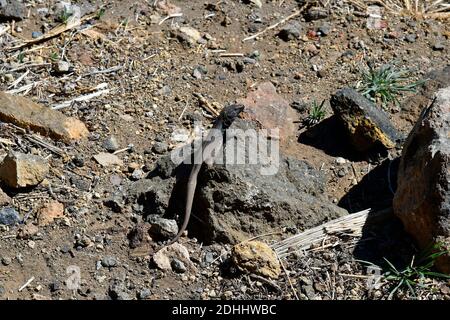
x: 204, y: 155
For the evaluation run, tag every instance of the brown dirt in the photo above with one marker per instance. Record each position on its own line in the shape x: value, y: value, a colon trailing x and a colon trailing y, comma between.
x: 137, y: 111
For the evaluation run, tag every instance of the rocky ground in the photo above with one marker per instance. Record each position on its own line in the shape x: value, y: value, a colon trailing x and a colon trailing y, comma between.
x: 87, y: 202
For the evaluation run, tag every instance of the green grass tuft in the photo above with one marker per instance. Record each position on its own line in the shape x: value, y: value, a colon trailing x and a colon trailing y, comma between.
x: 316, y: 113
x: 383, y: 85
x: 412, y: 276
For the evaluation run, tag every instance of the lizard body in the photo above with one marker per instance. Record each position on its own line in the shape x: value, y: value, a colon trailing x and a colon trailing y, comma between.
x: 212, y: 142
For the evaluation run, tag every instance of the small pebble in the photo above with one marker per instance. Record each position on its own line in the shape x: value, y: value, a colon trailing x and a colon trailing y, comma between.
x: 178, y: 266
x: 109, y: 262
x: 111, y: 144
x: 36, y: 34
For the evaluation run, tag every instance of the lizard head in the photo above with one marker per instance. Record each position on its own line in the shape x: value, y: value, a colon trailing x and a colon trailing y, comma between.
x: 230, y: 113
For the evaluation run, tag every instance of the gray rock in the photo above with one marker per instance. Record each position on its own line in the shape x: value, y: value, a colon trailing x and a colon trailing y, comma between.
x: 422, y: 198
x: 325, y: 29
x: 237, y: 201
x: 255, y: 55
x: 248, y: 60
x: 197, y: 74
x: 9, y: 216
x: 115, y: 202
x: 290, y: 31
x: 6, y: 261
x: 62, y: 67
x: 144, y: 294
x: 12, y: 10
x: 160, y: 147
x: 161, y: 228
x: 80, y: 183
x: 107, y: 159
x: 117, y: 291
x: 137, y: 175
x: 78, y: 161
x: 109, y: 262
x: 309, y: 292
x: 164, y: 91
x: 152, y: 195
x: 2, y: 291
x: 178, y: 266
x: 316, y: 13
x: 366, y: 124
x: 438, y: 46
x: 411, y: 38
x: 111, y: 144
x: 36, y: 34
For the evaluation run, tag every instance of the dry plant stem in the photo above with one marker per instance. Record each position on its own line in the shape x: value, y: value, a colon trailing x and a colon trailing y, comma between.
x: 205, y: 103
x: 54, y: 32
x: 351, y: 224
x: 269, y: 282
x: 288, y: 277
x: 273, y: 26
x: 38, y: 141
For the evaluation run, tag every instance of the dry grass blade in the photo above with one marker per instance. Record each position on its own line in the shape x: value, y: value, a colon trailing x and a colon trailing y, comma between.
x: 423, y: 9
x: 72, y: 23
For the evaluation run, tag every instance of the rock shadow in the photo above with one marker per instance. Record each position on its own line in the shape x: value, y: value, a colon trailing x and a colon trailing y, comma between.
x: 331, y: 137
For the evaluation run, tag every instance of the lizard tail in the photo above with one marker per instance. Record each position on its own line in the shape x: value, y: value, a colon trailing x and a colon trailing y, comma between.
x: 187, y: 213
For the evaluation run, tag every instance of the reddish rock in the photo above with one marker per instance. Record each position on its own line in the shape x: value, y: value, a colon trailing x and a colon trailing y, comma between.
x: 27, y: 114
x: 271, y: 111
x: 422, y: 199
x: 49, y: 212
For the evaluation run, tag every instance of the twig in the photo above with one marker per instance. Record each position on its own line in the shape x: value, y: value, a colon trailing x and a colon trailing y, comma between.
x: 287, y: 276
x: 31, y: 65
x: 205, y: 103
x: 269, y: 282
x: 273, y: 26
x: 38, y: 140
x: 182, y: 112
x: 109, y: 70
x: 121, y: 150
x: 230, y: 54
x: 72, y: 23
x: 26, y: 284
x: 19, y: 79
x: 170, y: 16
x: 80, y: 98
x: 26, y: 88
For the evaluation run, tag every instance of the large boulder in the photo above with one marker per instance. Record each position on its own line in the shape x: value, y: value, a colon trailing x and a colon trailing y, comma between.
x: 366, y: 124
x: 238, y: 200
x: 413, y: 106
x: 422, y: 199
x: 12, y: 10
